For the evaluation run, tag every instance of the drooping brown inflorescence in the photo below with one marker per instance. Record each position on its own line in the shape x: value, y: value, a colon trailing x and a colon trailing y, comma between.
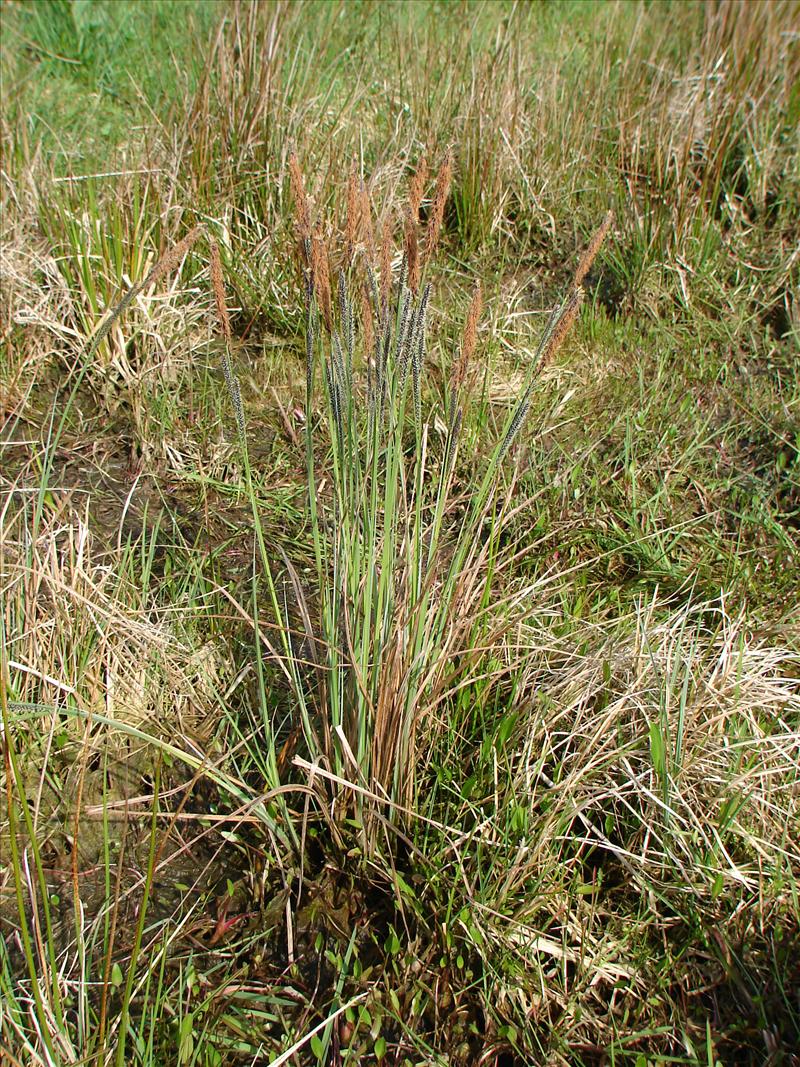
x: 558, y: 328
x: 173, y: 256
x: 231, y: 381
x: 440, y: 195
x: 570, y: 310
x: 168, y: 262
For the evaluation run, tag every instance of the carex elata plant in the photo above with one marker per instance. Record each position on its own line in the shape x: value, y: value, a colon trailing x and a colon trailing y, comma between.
x: 389, y: 557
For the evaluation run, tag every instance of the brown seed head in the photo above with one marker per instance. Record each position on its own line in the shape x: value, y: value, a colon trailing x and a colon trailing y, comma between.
x: 366, y: 225
x: 462, y: 368
x: 590, y: 254
x: 417, y: 188
x: 561, y: 329
x: 321, y: 278
x: 218, y: 286
x: 441, y: 193
x: 412, y: 252
x: 302, y: 208
x: 473, y: 318
x: 173, y: 256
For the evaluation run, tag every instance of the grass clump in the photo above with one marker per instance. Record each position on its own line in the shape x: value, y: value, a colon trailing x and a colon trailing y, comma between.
x: 395, y: 600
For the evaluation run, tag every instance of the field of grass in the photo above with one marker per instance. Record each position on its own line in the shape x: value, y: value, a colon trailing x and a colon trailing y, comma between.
x: 400, y: 533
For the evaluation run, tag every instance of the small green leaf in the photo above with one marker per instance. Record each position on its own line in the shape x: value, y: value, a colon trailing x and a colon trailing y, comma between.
x: 317, y: 1047
x: 506, y: 728
x: 405, y: 888
x: 186, y: 1038
x: 380, y: 1048
x: 116, y: 976
x: 657, y: 749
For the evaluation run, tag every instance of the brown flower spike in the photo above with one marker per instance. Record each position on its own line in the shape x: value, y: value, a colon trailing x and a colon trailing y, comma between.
x: 302, y: 207
x: 462, y: 368
x: 443, y: 181
x: 589, y: 256
x: 321, y: 278
x: 218, y: 288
